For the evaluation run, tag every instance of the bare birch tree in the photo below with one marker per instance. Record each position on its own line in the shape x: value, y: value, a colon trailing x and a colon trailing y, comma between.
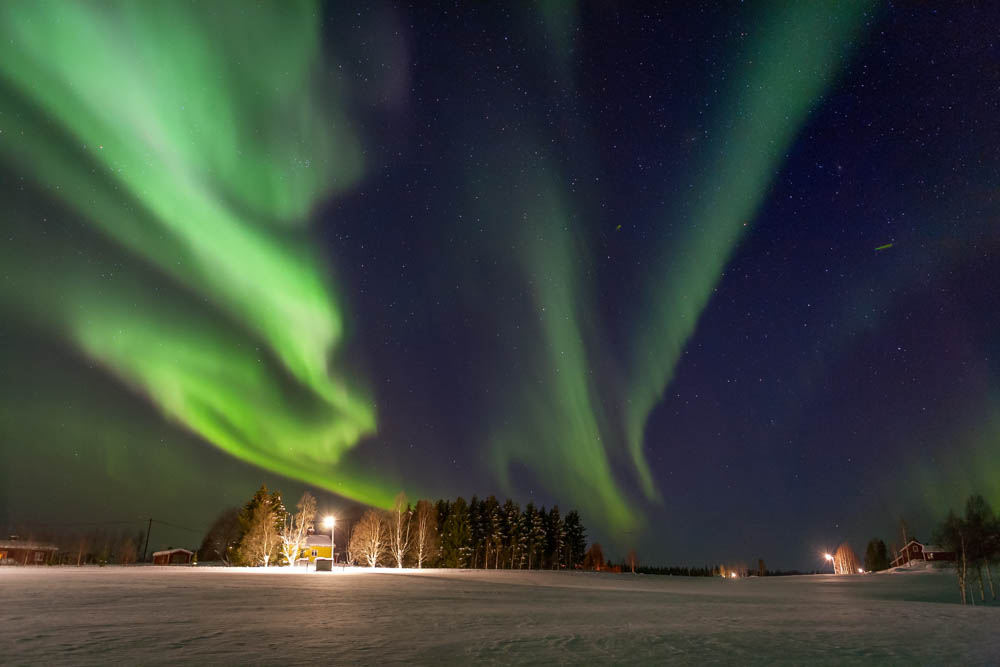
x: 260, y: 544
x: 295, y: 530
x: 632, y: 560
x: 399, y: 529
x: 426, y: 520
x: 349, y: 552
x: 952, y: 534
x: 127, y: 551
x: 223, y: 539
x: 370, y: 537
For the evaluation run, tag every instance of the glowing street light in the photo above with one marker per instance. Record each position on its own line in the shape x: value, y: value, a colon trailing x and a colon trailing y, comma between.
x: 830, y: 558
x: 330, y: 522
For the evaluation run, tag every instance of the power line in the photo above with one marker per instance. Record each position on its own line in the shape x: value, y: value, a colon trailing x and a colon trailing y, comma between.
x: 106, y: 523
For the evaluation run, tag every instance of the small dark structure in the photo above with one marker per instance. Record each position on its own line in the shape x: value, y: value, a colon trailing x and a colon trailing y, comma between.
x: 324, y: 565
x: 173, y: 557
x: 15, y: 551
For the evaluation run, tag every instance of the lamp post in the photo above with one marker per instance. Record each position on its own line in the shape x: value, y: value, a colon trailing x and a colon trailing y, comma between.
x: 830, y: 558
x: 330, y: 522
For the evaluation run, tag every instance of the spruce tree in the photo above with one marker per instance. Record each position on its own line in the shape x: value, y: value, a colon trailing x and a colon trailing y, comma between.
x: 576, y: 540
x: 496, y: 529
x: 456, y: 536
x: 476, y: 534
x: 555, y: 538
x: 512, y: 527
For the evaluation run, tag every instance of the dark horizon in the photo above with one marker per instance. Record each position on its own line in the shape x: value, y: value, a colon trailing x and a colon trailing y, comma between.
x: 721, y: 278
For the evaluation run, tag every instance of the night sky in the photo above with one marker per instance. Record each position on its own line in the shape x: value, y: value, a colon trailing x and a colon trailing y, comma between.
x: 726, y: 279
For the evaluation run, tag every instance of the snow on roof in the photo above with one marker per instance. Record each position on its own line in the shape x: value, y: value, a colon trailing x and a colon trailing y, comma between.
x: 318, y: 541
x: 34, y: 546
x: 936, y: 548
x: 172, y: 551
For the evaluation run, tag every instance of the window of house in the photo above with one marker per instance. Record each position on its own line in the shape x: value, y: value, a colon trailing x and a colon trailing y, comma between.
x: 315, y: 553
x: 39, y: 556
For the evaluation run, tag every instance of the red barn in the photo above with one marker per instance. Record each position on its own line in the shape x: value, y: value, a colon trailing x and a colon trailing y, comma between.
x: 173, y: 557
x: 16, y: 551
x: 915, y: 551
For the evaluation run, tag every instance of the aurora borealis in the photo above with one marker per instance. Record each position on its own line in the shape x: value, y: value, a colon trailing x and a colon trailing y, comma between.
x: 615, y: 259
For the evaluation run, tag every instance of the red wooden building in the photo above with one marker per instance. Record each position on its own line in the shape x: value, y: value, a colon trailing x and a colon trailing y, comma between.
x: 15, y: 551
x: 173, y: 557
x: 915, y: 551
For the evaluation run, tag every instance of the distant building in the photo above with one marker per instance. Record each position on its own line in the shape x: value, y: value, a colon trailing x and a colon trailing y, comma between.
x: 173, y: 557
x: 936, y: 553
x: 915, y: 551
x: 15, y: 551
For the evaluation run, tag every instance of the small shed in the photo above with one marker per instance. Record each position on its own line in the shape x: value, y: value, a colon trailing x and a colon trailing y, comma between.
x: 173, y: 557
x: 15, y: 551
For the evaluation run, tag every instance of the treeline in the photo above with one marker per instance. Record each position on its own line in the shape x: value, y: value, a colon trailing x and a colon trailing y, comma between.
x: 483, y: 533
x: 96, y: 546
x: 710, y: 571
x: 445, y: 533
x: 975, y: 539
x: 706, y: 571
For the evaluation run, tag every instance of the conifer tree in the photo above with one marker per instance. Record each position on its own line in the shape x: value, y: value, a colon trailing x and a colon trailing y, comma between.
x: 477, y: 535
x: 493, y: 515
x: 576, y: 540
x: 260, y: 524
x: 555, y: 537
x: 513, y: 527
x: 456, y: 535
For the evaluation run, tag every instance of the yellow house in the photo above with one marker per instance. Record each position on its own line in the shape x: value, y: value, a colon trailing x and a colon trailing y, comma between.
x: 317, y: 546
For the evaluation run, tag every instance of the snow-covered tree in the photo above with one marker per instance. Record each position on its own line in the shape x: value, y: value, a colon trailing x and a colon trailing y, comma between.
x: 295, y: 530
x: 399, y: 529
x: 249, y: 551
x: 535, y: 521
x: 370, y: 537
x: 514, y: 527
x: 496, y: 535
x: 426, y: 532
x: 260, y: 543
x: 555, y: 538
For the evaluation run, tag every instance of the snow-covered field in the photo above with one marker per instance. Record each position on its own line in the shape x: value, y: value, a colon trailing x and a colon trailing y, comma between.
x: 147, y: 615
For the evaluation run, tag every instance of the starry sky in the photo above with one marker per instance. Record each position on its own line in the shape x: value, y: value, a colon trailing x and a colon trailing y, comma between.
x: 722, y: 277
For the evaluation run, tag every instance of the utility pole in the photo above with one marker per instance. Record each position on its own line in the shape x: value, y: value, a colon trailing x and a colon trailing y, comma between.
x: 145, y: 548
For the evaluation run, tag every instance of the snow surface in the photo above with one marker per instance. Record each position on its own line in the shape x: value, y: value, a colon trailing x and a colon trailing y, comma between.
x: 154, y: 615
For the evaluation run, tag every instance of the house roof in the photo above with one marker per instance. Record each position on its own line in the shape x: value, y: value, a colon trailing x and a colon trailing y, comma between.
x: 172, y: 551
x: 33, y: 546
x: 318, y: 541
x: 934, y: 548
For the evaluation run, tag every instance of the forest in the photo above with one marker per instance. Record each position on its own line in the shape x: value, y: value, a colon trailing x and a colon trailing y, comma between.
x: 479, y: 533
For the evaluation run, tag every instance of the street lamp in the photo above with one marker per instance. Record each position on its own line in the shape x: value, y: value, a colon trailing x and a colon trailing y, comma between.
x: 830, y: 558
x: 330, y: 522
